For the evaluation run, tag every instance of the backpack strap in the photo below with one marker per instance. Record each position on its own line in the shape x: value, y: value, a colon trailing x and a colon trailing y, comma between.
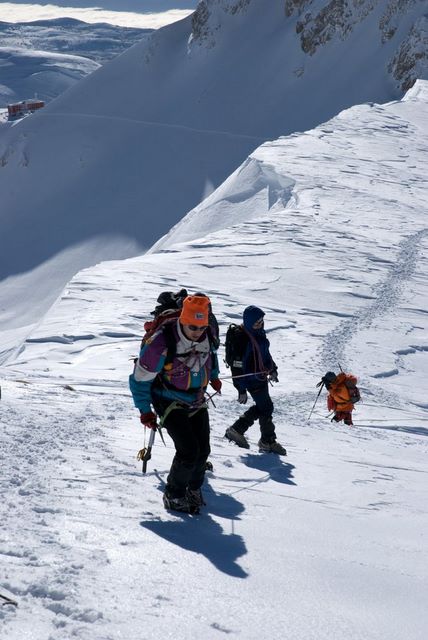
x: 171, y: 344
x: 170, y: 340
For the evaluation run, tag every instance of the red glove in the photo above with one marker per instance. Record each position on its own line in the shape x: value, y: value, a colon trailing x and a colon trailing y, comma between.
x: 148, y: 419
x: 216, y: 385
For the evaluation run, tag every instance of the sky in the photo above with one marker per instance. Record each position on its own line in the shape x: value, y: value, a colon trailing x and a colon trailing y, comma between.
x: 92, y: 12
x: 326, y: 231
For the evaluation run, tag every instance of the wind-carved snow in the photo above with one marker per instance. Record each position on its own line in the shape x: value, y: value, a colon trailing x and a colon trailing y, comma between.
x: 252, y: 188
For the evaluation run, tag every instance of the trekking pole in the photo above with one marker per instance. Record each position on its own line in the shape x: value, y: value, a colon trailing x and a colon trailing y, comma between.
x: 321, y: 384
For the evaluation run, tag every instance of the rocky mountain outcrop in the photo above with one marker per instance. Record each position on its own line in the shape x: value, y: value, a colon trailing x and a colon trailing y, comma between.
x: 401, y: 25
x: 411, y: 60
x: 207, y: 18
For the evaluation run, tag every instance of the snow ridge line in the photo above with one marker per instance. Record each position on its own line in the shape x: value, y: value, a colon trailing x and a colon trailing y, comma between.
x: 387, y: 294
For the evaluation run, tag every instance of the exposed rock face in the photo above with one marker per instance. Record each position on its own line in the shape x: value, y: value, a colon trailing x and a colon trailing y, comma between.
x: 207, y: 19
x: 319, y: 22
x: 401, y: 24
x: 411, y: 60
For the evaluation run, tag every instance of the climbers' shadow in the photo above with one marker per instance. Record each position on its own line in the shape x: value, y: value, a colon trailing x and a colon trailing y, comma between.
x: 201, y: 534
x: 278, y: 470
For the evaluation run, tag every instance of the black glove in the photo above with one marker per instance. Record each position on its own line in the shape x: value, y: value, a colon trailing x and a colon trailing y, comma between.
x: 242, y: 397
x: 273, y: 376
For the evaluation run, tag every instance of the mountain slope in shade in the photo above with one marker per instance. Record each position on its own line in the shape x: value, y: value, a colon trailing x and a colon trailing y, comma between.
x: 123, y: 155
x: 327, y: 543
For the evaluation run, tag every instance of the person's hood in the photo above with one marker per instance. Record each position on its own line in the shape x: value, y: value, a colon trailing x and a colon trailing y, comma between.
x: 251, y: 315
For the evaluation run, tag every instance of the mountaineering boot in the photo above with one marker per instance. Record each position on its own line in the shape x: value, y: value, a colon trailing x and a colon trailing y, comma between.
x: 234, y: 436
x: 177, y: 504
x: 195, y: 498
x: 272, y: 447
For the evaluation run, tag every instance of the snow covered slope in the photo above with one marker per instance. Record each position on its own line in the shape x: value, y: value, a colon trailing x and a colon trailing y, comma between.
x: 329, y: 542
x: 124, y: 154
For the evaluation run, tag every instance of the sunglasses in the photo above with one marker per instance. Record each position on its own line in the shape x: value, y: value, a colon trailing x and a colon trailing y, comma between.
x: 193, y: 327
x: 258, y: 324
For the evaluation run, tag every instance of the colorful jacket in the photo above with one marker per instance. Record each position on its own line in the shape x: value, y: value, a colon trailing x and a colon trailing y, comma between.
x: 184, y: 379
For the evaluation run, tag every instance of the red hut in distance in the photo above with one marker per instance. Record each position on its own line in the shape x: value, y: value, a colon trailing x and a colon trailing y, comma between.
x: 26, y: 106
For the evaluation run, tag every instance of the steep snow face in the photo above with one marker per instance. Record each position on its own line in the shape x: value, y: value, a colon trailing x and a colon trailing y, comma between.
x: 130, y: 149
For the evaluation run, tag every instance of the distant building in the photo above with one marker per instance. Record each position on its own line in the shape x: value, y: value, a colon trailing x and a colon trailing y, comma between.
x: 26, y: 106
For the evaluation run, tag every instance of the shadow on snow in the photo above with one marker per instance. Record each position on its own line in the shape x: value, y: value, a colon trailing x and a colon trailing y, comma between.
x: 275, y: 468
x: 201, y: 534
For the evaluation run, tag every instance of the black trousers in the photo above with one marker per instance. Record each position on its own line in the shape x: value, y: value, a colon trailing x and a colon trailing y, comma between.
x: 190, y: 432
x: 261, y: 410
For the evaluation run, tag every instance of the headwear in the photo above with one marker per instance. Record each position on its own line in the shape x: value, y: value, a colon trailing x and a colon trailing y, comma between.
x: 251, y: 315
x: 329, y: 378
x: 195, y: 310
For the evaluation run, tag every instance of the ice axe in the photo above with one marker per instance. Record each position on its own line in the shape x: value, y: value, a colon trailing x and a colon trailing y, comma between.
x: 145, y: 453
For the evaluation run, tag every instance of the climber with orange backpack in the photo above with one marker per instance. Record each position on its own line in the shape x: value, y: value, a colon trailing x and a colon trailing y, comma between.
x: 343, y: 393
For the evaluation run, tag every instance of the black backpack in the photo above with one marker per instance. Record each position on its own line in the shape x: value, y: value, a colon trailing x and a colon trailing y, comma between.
x: 236, y: 345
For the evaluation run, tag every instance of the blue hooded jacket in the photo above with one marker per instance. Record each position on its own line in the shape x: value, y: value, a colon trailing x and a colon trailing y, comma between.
x: 250, y: 316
